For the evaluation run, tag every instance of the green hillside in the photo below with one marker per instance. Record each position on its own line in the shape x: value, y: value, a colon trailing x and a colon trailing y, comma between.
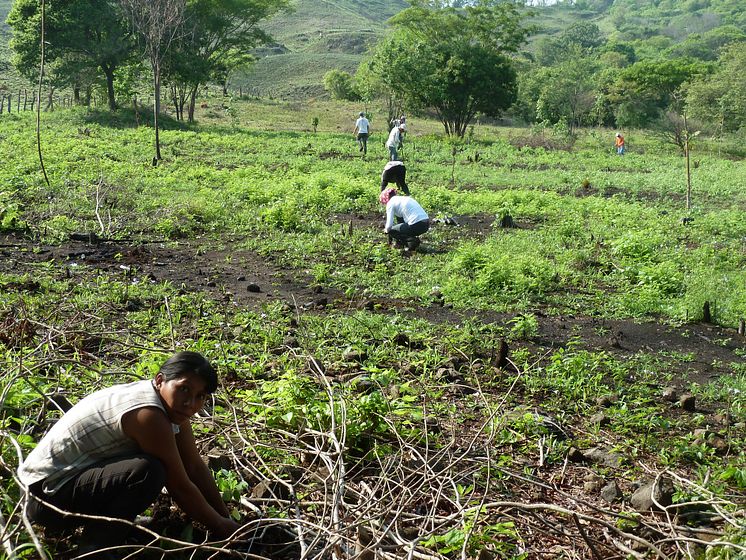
x: 292, y: 75
x: 315, y: 37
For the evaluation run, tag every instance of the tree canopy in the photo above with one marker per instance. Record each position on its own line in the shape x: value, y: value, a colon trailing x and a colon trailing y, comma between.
x: 452, y: 60
x: 84, y: 38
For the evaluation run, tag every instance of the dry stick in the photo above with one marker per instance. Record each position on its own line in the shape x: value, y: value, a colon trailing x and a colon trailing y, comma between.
x: 338, y: 446
x: 38, y: 107
x: 24, y: 517
x: 98, y: 204
x: 585, y: 537
x: 5, y: 538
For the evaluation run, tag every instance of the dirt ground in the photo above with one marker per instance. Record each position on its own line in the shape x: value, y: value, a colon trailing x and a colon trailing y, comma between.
x: 250, y: 280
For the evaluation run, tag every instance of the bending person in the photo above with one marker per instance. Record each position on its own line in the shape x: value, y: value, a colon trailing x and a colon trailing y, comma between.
x: 395, y: 172
x: 405, y: 219
x: 112, y: 453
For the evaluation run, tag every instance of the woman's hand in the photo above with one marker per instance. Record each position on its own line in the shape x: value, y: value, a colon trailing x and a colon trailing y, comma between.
x: 227, y: 528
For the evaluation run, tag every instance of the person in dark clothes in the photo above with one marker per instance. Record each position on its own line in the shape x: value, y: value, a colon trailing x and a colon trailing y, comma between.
x: 395, y: 172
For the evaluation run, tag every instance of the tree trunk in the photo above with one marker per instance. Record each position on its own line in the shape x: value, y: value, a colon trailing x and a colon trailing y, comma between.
x: 137, y: 113
x: 50, y: 100
x: 109, y: 73
x: 76, y: 94
x: 192, y: 102
x: 156, y: 110
x: 175, y: 101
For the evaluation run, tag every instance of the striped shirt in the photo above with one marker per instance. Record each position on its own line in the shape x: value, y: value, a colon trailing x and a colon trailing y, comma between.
x: 91, y: 431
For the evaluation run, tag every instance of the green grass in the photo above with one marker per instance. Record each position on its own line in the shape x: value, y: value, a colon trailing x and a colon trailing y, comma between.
x: 616, y: 248
x: 598, y: 236
x: 292, y: 75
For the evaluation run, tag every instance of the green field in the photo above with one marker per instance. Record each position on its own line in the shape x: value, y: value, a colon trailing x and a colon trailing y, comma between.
x: 507, y: 374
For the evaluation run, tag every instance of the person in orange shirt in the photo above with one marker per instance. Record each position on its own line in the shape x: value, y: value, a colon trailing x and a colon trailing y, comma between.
x: 619, y: 144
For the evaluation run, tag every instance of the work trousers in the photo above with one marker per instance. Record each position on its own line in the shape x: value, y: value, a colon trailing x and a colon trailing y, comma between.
x: 119, y: 488
x: 396, y: 174
x: 362, y: 139
x: 403, y: 231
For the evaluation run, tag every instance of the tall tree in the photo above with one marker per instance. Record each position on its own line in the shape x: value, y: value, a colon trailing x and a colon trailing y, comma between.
x: 452, y: 60
x: 720, y: 98
x: 218, y: 36
x: 645, y: 89
x: 81, y: 36
x: 157, y: 23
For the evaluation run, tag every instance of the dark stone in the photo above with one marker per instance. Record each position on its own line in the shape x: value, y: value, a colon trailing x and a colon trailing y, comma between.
x: 688, y: 402
x: 670, y: 394
x: 132, y: 305
x: 321, y: 302
x: 603, y: 456
x: 354, y: 355
x: 645, y: 496
x: 611, y: 492
x: 401, y: 339
x: 364, y: 385
x: 601, y: 419
x: 241, y: 278
x: 217, y: 461
x: 211, y: 284
x: 575, y: 455
x: 254, y: 288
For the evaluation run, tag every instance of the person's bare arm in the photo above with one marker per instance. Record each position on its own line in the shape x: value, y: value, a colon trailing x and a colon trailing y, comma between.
x: 197, y: 471
x: 152, y: 431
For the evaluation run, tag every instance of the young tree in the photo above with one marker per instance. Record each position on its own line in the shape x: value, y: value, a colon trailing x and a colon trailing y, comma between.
x: 217, y: 37
x: 81, y: 36
x: 340, y: 85
x: 157, y: 22
x: 452, y: 60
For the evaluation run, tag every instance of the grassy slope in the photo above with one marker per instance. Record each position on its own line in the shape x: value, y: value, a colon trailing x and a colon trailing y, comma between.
x: 9, y: 77
x: 320, y: 35
x: 4, y: 37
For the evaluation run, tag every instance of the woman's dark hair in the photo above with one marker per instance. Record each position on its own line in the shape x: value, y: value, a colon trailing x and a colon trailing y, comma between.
x: 184, y: 363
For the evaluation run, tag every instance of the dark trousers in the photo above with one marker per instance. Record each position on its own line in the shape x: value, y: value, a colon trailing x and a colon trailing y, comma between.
x: 401, y: 232
x: 362, y: 139
x: 121, y: 488
x: 396, y: 174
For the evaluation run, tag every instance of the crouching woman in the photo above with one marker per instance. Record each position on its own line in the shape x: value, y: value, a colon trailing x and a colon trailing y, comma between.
x: 111, y: 454
x: 406, y: 220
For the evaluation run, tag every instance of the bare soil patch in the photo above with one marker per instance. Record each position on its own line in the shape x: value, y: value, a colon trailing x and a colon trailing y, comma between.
x: 695, y: 352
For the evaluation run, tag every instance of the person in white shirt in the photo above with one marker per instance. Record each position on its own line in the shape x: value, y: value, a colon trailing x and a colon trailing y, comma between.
x: 362, y: 129
x: 393, y: 142
x: 395, y: 172
x: 406, y: 220
x: 111, y: 454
